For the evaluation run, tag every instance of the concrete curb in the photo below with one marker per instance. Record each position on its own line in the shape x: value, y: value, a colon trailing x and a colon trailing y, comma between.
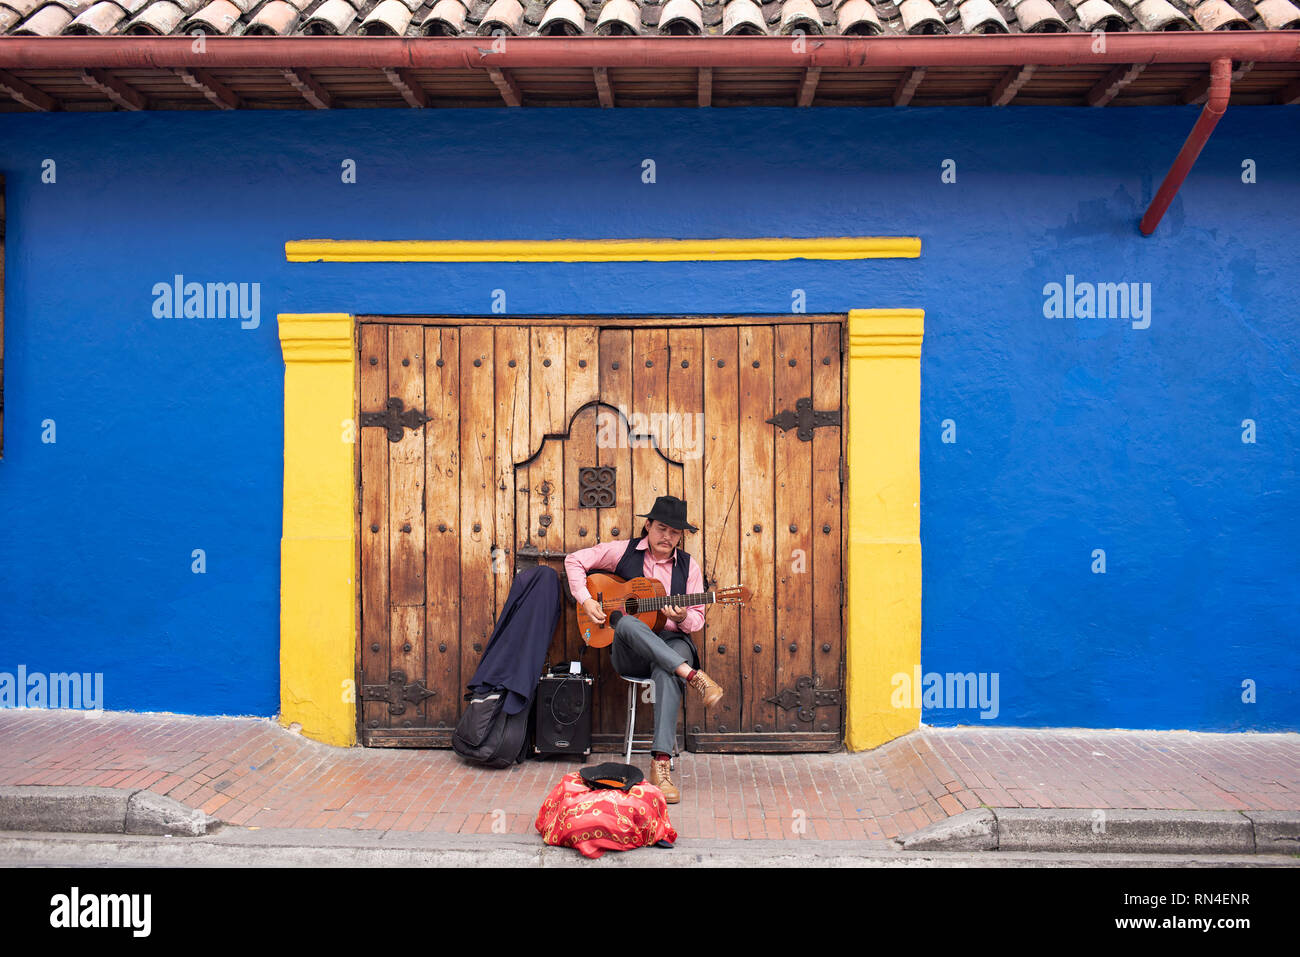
x: 98, y: 810
x: 233, y: 846
x: 1112, y: 830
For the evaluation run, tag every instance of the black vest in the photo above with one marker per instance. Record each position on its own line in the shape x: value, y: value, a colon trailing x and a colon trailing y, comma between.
x: 632, y: 565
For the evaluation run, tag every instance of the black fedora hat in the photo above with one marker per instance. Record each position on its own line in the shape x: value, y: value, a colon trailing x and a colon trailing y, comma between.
x: 670, y: 510
x: 611, y: 775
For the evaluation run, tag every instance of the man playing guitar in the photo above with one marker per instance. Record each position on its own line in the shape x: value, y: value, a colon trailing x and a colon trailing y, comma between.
x: 669, y: 658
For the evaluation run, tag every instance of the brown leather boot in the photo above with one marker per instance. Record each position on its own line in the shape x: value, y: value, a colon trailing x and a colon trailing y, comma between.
x: 662, y: 779
x: 708, y: 688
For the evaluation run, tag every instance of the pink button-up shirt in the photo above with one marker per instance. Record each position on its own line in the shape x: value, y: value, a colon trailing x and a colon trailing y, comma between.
x: 605, y: 557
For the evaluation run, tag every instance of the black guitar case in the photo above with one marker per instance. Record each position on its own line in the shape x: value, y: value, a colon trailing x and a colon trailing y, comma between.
x: 494, y: 727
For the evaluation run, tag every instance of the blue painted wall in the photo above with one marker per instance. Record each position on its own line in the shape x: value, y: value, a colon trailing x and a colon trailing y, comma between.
x: 1072, y: 435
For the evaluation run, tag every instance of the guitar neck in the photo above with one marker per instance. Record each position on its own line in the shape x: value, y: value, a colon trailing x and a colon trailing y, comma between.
x: 652, y: 604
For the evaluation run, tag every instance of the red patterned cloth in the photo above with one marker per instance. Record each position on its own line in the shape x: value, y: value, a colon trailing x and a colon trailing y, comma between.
x: 596, y: 820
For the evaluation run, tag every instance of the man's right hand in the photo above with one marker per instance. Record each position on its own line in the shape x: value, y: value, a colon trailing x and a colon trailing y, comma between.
x: 593, y: 610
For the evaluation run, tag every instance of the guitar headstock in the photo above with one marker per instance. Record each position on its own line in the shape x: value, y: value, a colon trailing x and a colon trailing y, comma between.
x: 735, y: 595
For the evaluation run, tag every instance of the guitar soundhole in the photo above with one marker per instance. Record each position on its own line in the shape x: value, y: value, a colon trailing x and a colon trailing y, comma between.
x: 630, y: 607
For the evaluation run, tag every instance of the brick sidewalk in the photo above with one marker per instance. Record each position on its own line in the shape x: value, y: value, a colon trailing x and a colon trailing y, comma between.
x: 250, y: 771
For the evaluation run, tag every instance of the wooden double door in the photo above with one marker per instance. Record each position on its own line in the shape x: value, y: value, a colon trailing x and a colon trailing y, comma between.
x: 485, y: 448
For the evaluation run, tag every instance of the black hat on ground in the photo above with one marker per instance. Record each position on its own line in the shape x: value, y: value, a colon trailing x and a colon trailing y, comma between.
x: 670, y: 510
x: 611, y: 775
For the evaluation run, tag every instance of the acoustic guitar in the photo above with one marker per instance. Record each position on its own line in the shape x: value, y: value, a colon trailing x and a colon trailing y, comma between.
x: 642, y: 598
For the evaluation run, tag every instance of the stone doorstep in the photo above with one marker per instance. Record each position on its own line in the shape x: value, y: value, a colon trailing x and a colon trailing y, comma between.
x: 98, y: 810
x: 1112, y: 830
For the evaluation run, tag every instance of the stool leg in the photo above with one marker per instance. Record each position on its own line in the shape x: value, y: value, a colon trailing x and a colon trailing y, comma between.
x: 631, y: 722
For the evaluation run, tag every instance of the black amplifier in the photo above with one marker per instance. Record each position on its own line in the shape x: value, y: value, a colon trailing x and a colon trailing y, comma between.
x: 562, y: 715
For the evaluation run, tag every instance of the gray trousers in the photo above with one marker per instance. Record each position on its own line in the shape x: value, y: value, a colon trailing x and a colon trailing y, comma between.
x: 639, y: 652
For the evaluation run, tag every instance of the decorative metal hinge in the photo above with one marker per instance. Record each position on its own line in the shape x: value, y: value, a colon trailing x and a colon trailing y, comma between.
x: 805, y: 418
x: 807, y: 697
x: 394, y: 419
x: 398, y: 692
x: 530, y: 555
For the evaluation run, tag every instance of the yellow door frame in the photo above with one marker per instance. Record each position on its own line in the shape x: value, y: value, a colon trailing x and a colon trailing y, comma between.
x: 318, y: 564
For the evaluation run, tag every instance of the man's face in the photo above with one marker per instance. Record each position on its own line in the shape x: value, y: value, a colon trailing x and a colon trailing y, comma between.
x: 662, y: 539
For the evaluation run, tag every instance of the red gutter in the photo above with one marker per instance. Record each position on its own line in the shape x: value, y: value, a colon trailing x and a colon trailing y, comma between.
x: 459, y: 53
x: 1215, y: 107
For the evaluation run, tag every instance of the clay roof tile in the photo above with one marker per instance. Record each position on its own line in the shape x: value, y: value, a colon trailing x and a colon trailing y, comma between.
x: 160, y: 17
x: 331, y: 18
x: 801, y: 15
x: 388, y: 18
x: 446, y: 19
x: 1038, y: 16
x: 48, y: 21
x: 1218, y: 15
x: 1279, y: 14
x: 503, y: 15
x: 563, y: 18
x: 920, y: 16
x: 858, y: 18
x: 23, y: 7
x: 275, y: 18
x: 1160, y: 15
x: 980, y: 16
x: 1099, y: 15
x: 98, y: 20
x: 619, y: 16
x: 743, y: 18
x: 219, y: 16
x: 681, y: 17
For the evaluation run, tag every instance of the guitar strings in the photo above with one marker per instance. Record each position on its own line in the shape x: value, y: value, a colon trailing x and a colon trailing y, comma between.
x: 651, y: 604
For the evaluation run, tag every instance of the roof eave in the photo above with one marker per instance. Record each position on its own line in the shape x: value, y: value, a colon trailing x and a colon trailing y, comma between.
x: 460, y: 53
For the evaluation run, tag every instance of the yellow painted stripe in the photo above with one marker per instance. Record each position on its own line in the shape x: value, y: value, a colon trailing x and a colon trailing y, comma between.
x: 601, y: 250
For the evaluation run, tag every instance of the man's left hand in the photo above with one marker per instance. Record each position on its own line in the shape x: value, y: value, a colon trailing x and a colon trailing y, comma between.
x: 675, y: 613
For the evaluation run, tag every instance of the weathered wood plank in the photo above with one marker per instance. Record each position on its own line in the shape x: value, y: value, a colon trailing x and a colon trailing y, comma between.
x: 442, y: 504
x: 580, y: 523
x: 546, y: 505
x: 582, y: 371
x: 650, y: 472
x: 685, y: 444
x: 794, y: 542
x: 512, y: 445
x: 410, y: 738
x: 649, y: 403
x: 408, y: 657
x: 406, y: 473
x: 720, y: 524
x: 477, y: 494
x: 613, y: 444
x: 547, y: 371
x: 758, y: 539
x: 617, y: 522
x: 827, y: 571
x: 375, y: 622
x: 406, y: 465
x: 582, y: 368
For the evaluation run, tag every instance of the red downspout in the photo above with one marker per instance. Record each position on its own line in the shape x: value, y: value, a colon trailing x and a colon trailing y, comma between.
x: 1215, y: 107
